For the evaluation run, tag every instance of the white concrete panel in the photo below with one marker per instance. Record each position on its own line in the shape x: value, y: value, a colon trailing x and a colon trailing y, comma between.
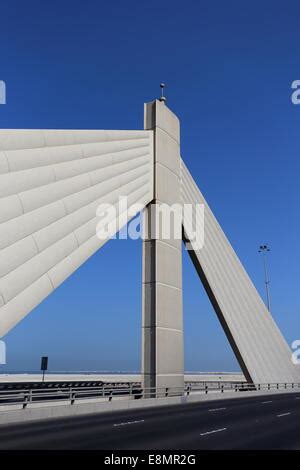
x: 134, y: 185
x: 168, y: 265
x: 4, y: 168
x: 103, y: 148
x: 170, y: 351
x: 82, y: 198
x: 86, y: 230
x: 158, y: 115
x: 148, y: 294
x: 128, y: 155
x: 167, y: 185
x: 20, y: 160
x: 108, y: 172
x: 14, y: 311
x: 49, y: 193
x: 26, y: 159
x: 77, y: 167
x: 132, y: 181
x: 16, y: 255
x: 59, y: 138
x: 105, y: 172
x: 169, y: 307
x: 135, y: 174
x: 140, y: 196
x: 137, y: 162
x: 12, y: 139
x: 21, y: 227
x: 62, y: 227
x: 16, y: 182
x: 67, y: 153
x: 19, y: 279
x: 81, y: 137
x: 168, y: 148
x: 61, y: 271
x: 34, y: 158
x: 10, y: 207
x: 91, y: 164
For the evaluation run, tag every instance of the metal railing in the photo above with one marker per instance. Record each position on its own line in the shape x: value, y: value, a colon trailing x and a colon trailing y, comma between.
x: 71, y: 395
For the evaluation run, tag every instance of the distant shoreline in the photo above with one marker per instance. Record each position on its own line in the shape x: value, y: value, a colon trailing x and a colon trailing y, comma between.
x: 83, y: 372
x: 115, y: 377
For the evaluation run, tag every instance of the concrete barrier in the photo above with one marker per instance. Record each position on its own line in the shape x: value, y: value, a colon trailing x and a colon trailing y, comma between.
x: 34, y: 413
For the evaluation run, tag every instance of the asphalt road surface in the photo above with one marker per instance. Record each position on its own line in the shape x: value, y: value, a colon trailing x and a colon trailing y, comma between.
x: 268, y: 422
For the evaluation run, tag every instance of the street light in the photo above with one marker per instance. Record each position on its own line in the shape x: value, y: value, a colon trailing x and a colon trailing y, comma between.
x: 163, y: 99
x: 264, y: 249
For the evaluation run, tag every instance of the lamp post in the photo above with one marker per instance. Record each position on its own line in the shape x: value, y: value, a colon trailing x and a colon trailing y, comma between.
x: 163, y: 99
x: 264, y: 249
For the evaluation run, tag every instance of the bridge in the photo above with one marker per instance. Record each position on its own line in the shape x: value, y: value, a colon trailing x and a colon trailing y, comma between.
x: 246, y: 423
x: 52, y: 183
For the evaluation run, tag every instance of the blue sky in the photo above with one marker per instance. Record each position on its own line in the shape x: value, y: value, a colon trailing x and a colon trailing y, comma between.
x: 228, y: 67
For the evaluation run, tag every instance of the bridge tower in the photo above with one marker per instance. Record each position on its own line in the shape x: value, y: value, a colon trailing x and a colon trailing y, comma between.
x: 162, y: 323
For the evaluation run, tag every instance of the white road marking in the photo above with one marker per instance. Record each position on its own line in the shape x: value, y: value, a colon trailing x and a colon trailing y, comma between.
x: 213, y: 431
x: 297, y: 398
x: 217, y: 409
x: 129, y: 422
x: 283, y: 414
x: 270, y: 401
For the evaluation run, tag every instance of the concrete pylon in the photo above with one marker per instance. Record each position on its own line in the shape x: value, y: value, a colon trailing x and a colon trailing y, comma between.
x: 162, y: 325
x: 52, y: 183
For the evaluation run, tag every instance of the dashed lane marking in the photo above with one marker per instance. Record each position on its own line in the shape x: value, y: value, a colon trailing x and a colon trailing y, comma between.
x: 217, y: 409
x: 129, y: 422
x: 212, y: 432
x: 269, y: 401
x: 283, y: 414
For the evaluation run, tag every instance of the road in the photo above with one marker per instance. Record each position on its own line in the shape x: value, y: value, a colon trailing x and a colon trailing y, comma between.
x: 268, y: 422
